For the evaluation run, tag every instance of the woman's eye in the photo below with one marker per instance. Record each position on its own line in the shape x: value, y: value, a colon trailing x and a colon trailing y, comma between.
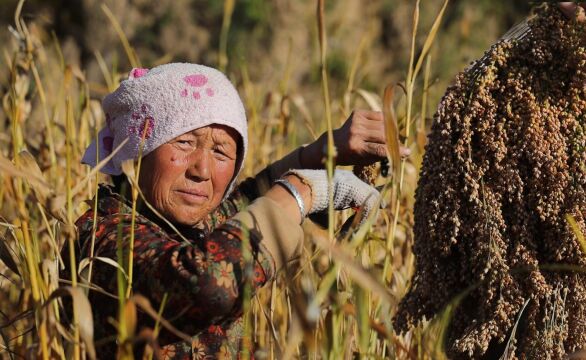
x: 184, y: 144
x: 220, y: 154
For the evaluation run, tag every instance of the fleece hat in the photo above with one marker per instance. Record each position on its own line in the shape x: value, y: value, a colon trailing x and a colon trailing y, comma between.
x: 161, y: 104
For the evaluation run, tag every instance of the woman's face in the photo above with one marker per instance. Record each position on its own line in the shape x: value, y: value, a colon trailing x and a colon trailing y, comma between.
x: 186, y: 178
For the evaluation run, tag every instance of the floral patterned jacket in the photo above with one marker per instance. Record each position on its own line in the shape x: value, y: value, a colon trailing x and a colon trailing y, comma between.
x: 203, y: 278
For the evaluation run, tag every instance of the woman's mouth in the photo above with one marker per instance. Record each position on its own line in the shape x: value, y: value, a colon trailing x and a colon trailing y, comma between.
x: 193, y: 196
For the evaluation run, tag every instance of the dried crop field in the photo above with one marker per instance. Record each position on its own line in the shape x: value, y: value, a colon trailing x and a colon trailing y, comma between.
x: 513, y: 231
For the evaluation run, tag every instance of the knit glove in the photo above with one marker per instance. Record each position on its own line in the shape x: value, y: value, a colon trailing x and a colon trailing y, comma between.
x: 349, y: 191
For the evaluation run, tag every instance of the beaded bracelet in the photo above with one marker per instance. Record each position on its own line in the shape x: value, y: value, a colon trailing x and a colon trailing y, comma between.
x: 287, y: 185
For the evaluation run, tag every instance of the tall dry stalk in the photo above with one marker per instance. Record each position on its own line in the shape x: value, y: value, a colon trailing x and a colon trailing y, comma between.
x: 331, y: 149
x: 226, y: 20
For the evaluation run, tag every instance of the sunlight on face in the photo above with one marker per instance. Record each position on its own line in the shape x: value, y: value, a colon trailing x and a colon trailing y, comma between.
x: 186, y: 178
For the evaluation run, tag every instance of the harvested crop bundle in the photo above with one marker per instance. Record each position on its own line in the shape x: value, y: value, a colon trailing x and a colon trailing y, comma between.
x: 504, y: 165
x: 366, y: 173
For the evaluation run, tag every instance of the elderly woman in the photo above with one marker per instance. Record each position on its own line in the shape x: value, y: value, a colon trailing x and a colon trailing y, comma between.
x: 189, y: 125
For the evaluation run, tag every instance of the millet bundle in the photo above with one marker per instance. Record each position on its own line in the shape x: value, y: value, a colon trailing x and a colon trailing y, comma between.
x: 366, y: 173
x: 504, y: 166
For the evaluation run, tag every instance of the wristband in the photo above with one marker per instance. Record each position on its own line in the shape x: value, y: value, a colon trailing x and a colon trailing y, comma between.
x: 287, y: 185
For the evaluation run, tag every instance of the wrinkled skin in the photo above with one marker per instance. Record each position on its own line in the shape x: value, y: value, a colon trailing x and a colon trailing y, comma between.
x: 187, y: 177
x: 359, y: 141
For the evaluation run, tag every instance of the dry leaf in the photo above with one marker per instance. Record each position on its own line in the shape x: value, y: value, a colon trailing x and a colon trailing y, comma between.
x: 299, y: 102
x: 355, y: 271
x: 67, y: 77
x: 85, y: 262
x: 128, y: 170
x: 391, y: 129
x: 44, y: 195
x: 9, y: 169
x: 81, y: 184
x: 6, y: 340
x: 430, y: 38
x: 145, y: 305
x: 130, y: 317
x: 6, y: 256
x: 371, y: 99
x: 83, y: 311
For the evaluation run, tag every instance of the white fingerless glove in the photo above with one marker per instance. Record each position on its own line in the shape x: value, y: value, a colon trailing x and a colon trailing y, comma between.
x: 349, y: 191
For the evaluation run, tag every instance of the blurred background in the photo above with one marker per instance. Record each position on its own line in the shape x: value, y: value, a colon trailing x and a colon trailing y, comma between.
x: 269, y: 37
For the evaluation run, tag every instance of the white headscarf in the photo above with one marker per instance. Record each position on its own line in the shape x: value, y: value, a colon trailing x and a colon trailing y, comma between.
x: 169, y: 100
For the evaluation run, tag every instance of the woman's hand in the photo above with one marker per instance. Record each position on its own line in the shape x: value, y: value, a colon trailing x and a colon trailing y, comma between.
x: 312, y: 185
x: 360, y: 141
x: 348, y: 191
x: 569, y: 9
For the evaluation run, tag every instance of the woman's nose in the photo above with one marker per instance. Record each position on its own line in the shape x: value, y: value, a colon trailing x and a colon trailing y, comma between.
x: 199, y: 165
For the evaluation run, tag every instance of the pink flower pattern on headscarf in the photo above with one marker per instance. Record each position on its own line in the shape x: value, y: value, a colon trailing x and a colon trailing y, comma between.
x: 196, y: 81
x: 145, y: 119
